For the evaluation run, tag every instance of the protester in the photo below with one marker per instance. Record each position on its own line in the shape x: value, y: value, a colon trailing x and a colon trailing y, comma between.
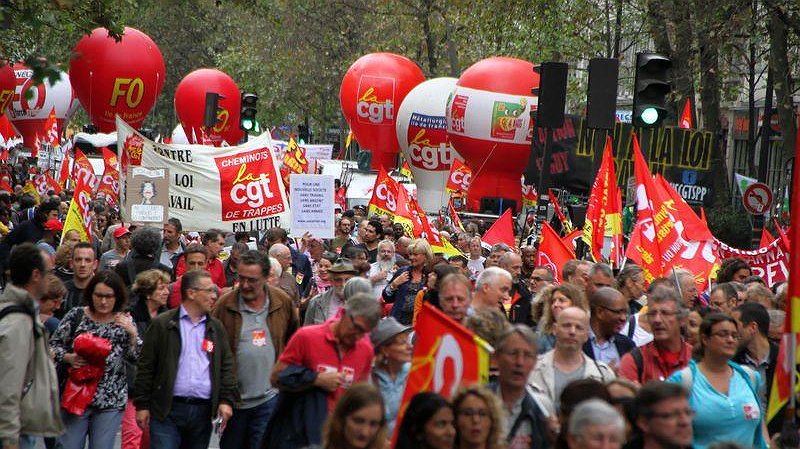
x: 185, y: 375
x: 733, y: 269
x: 429, y: 423
x: 49, y: 240
x: 567, y: 362
x: 63, y: 261
x: 760, y: 294
x: 143, y: 256
x: 664, y: 418
x: 595, y: 421
x: 576, y: 272
x: 723, y: 394
x: 492, y: 289
x: 342, y: 234
x: 172, y: 247
x: 668, y: 352
x: 318, y: 365
x: 480, y: 421
x: 393, y: 352
x: 286, y: 281
x: 383, y: 267
x: 373, y: 233
x: 600, y: 275
x: 540, y: 278
x: 609, y: 312
x: 630, y: 282
x: 122, y: 244
x: 401, y: 246
x: 83, y: 264
x: 195, y: 257
x: 693, y: 322
x: 258, y: 320
x: 460, y: 262
x: 518, y: 306
x: 476, y: 259
x: 684, y: 281
x: 28, y: 230
x: 407, y: 282
x: 231, y: 266
x: 103, y: 316
x: 357, y: 422
x: 23, y: 341
x: 300, y: 265
x: 455, y: 296
x: 325, y: 305
x: 495, y: 253
x: 529, y: 259
x: 50, y: 302
x: 526, y: 414
x: 723, y: 298
x: 554, y: 300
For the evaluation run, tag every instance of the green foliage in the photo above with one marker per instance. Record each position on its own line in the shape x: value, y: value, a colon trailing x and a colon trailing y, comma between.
x: 730, y: 226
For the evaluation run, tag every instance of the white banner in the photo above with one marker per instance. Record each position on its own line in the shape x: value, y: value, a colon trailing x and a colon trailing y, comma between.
x: 235, y: 189
x: 313, y: 152
x: 311, y: 197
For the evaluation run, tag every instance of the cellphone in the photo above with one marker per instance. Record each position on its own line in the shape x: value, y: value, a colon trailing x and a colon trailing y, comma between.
x: 216, y: 424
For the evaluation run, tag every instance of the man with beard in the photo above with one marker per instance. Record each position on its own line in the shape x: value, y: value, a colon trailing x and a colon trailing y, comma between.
x: 372, y: 234
x: 382, y: 268
x: 609, y: 314
x: 326, y: 305
x: 172, y: 246
x: 529, y: 255
x: 518, y: 305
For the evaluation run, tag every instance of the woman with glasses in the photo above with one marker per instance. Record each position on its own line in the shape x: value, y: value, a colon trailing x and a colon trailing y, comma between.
x: 480, y: 419
x: 554, y: 299
x: 393, y: 353
x: 102, y: 316
x: 429, y: 423
x: 722, y: 393
x: 408, y: 281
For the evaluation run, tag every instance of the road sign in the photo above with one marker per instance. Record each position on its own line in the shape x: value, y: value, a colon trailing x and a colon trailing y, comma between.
x: 757, y: 198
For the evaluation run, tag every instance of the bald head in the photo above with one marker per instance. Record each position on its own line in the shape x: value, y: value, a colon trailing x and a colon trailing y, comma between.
x: 605, y: 297
x: 573, y: 313
x: 609, y: 311
x: 282, y: 253
x: 571, y: 330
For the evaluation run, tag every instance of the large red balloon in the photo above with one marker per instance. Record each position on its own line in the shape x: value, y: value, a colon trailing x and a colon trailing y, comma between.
x: 190, y: 98
x: 117, y: 78
x: 8, y: 84
x: 371, y: 93
x: 489, y: 124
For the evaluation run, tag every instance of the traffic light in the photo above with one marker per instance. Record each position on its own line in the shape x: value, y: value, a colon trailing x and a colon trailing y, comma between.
x: 247, y: 116
x: 211, y: 111
x: 651, y: 87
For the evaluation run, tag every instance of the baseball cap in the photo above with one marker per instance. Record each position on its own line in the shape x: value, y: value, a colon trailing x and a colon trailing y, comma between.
x: 386, y: 330
x: 53, y: 224
x: 120, y: 231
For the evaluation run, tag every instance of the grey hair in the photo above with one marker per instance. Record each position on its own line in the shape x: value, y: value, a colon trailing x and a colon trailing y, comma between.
x: 385, y: 243
x: 500, y: 247
x: 679, y: 274
x: 776, y: 317
x: 666, y: 294
x: 518, y: 329
x: 357, y: 285
x: 506, y: 258
x: 277, y: 249
x: 594, y: 412
x: 146, y: 240
x: 602, y: 268
x: 363, y: 305
x: 275, y: 266
x: 490, y: 275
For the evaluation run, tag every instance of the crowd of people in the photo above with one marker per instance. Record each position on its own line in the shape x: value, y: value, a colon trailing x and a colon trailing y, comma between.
x: 273, y: 342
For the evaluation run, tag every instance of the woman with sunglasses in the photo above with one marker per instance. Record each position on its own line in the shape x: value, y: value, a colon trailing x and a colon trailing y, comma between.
x: 723, y: 394
x: 105, y: 298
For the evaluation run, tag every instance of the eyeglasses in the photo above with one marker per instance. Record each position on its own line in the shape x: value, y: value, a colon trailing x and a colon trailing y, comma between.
x: 725, y: 335
x: 245, y: 279
x: 471, y: 413
x: 357, y: 326
x: 104, y: 296
x: 624, y: 311
x: 689, y: 413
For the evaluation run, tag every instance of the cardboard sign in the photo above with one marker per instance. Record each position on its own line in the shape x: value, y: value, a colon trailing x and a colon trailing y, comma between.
x: 311, y: 197
x: 147, y: 194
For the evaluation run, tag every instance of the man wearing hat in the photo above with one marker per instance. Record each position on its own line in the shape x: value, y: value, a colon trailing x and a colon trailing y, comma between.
x: 49, y: 241
x: 393, y: 352
x: 122, y: 244
x: 327, y: 304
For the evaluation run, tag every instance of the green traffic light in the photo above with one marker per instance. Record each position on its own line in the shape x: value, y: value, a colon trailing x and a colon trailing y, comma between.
x: 248, y: 124
x: 649, y: 116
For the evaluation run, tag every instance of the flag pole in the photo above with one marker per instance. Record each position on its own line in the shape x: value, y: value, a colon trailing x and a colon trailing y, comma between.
x: 677, y: 281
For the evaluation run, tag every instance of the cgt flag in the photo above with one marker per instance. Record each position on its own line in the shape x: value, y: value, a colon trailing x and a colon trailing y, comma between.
x: 79, y: 215
x: 604, y: 213
x: 109, y: 183
x: 389, y: 197
x: 460, y: 177
x: 447, y: 356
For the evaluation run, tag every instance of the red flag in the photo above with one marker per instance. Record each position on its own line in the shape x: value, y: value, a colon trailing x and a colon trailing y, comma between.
x: 570, y: 238
x: 447, y: 357
x: 502, y: 231
x: 6, y: 129
x: 785, y: 244
x: 4, y: 154
x: 529, y: 196
x: 52, y: 184
x: 389, y: 197
x: 109, y: 182
x: 566, y: 224
x: 460, y: 177
x: 82, y: 169
x: 63, y: 173
x: 766, y: 238
x: 37, y: 145
x: 553, y: 253
x: 686, y: 115
x: 51, y: 129
x: 454, y: 216
x: 604, y: 212
x: 4, y: 185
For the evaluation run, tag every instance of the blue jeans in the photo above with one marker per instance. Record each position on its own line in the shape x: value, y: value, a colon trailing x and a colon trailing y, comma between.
x: 101, y: 426
x: 246, y: 428
x: 188, y: 426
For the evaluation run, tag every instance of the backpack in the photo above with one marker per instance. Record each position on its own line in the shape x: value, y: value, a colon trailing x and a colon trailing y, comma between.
x: 40, y: 408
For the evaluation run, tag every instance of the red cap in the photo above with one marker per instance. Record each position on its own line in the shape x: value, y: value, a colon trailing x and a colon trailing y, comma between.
x: 120, y: 231
x: 53, y: 224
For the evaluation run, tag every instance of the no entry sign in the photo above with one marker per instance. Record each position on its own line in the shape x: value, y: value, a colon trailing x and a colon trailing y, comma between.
x: 757, y: 198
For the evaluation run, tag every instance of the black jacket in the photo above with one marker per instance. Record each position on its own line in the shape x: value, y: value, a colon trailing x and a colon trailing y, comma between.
x: 301, y: 269
x: 134, y: 263
x: 532, y: 413
x: 300, y: 412
x: 624, y: 345
x: 520, y: 312
x: 158, y: 366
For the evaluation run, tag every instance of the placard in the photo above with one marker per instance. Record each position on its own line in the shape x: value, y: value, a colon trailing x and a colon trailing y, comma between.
x: 311, y: 198
x: 147, y: 194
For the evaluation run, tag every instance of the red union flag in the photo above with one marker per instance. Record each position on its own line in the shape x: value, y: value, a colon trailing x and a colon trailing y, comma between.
x: 51, y: 129
x: 386, y: 195
x: 63, y: 173
x: 40, y: 184
x: 79, y: 215
x: 553, y: 253
x: 132, y: 150
x: 109, y: 182
x: 604, y: 213
x: 447, y: 356
x: 249, y: 185
x: 294, y: 158
x: 375, y: 100
x: 460, y: 177
x: 82, y: 170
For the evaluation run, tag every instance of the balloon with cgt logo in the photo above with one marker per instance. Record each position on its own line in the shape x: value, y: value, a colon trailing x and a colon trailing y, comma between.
x: 372, y: 90
x: 190, y: 97
x: 489, y: 124
x: 117, y: 78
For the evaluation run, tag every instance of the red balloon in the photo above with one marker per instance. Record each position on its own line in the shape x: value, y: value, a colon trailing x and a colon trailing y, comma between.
x: 8, y: 83
x: 117, y: 78
x: 488, y: 122
x: 190, y: 98
x: 371, y: 93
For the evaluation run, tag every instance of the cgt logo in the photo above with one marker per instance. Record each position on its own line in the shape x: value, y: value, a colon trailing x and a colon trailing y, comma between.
x: 387, y: 196
x: 462, y: 179
x: 428, y: 143
x: 248, y: 186
x: 375, y: 100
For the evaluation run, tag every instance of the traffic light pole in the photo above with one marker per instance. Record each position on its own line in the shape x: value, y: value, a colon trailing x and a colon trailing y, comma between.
x: 543, y: 201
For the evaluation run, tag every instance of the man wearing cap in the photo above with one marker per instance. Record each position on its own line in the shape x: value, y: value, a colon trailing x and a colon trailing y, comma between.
x: 393, y: 352
x: 327, y: 304
x: 122, y: 244
x: 52, y: 228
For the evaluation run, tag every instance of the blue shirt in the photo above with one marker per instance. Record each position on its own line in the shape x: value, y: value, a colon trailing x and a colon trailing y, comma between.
x: 605, y: 352
x: 193, y: 379
x: 392, y: 391
x: 733, y: 417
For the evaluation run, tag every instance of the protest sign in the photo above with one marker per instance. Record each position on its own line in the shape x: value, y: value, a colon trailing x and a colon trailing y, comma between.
x: 311, y: 197
x: 147, y: 194
x: 234, y: 189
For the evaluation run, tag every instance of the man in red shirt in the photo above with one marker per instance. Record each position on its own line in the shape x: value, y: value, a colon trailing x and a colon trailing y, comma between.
x: 668, y: 352
x: 213, y: 240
